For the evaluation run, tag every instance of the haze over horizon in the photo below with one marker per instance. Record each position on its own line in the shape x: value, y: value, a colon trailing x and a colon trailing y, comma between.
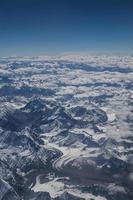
x: 37, y: 27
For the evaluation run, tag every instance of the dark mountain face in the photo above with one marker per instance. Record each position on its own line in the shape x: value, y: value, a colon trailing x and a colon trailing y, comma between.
x: 66, y: 129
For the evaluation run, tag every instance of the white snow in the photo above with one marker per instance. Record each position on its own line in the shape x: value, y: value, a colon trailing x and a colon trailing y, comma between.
x: 56, y: 187
x: 111, y: 117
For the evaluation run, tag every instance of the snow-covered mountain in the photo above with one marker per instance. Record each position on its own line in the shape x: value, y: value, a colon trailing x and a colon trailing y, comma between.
x: 66, y: 128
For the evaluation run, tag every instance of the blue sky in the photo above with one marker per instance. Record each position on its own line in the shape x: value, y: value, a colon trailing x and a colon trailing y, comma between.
x: 36, y: 27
